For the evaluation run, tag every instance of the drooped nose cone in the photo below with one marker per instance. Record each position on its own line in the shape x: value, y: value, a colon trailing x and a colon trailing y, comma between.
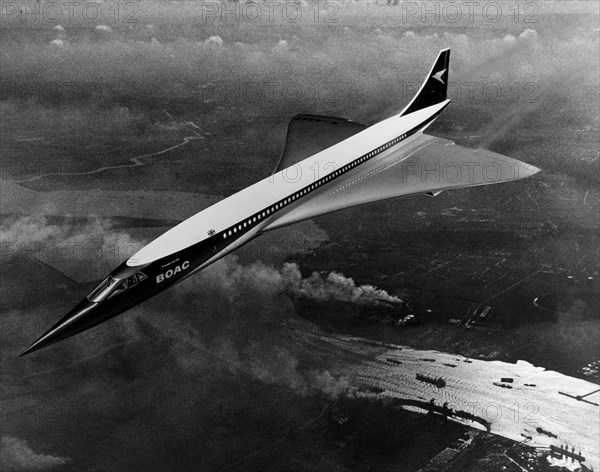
x: 83, y: 316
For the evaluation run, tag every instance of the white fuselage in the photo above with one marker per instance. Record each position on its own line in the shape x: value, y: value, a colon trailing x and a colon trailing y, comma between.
x: 261, y: 203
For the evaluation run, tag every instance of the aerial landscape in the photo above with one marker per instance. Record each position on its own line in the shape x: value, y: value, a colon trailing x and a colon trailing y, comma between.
x: 457, y: 333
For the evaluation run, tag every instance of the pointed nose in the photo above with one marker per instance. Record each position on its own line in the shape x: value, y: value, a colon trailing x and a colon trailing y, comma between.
x: 527, y: 170
x: 80, y: 318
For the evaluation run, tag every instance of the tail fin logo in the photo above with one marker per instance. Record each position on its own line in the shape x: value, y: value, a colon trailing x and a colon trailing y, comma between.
x: 431, y: 92
x: 438, y: 76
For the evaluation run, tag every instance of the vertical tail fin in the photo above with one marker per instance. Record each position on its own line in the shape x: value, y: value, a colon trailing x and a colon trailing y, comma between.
x: 434, y: 88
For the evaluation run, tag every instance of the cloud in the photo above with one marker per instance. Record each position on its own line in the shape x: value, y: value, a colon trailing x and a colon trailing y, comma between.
x: 282, y: 368
x: 83, y: 251
x: 16, y: 455
x: 59, y: 43
x: 96, y: 235
x: 103, y: 29
x: 215, y: 40
x: 277, y: 365
x: 529, y: 35
x: 120, y: 86
x: 30, y: 229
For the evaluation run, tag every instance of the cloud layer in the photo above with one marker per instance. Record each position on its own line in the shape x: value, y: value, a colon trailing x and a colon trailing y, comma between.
x: 17, y: 456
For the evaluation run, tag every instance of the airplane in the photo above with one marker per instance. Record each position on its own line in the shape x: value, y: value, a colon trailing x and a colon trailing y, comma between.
x: 327, y: 164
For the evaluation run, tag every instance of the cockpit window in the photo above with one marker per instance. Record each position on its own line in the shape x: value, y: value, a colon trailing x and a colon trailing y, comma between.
x: 103, y: 291
x: 120, y: 288
x: 131, y: 281
x: 110, y: 287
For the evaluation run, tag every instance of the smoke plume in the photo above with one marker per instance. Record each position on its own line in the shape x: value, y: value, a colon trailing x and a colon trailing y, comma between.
x: 335, y: 286
x: 230, y: 277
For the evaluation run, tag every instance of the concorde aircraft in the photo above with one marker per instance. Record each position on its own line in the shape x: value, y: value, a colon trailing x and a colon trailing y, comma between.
x: 327, y: 164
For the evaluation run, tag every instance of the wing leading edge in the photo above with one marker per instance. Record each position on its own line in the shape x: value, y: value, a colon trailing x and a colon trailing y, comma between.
x: 428, y: 165
x: 309, y: 134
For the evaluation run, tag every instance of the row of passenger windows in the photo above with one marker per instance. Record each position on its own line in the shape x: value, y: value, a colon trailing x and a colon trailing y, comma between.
x: 310, y: 188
